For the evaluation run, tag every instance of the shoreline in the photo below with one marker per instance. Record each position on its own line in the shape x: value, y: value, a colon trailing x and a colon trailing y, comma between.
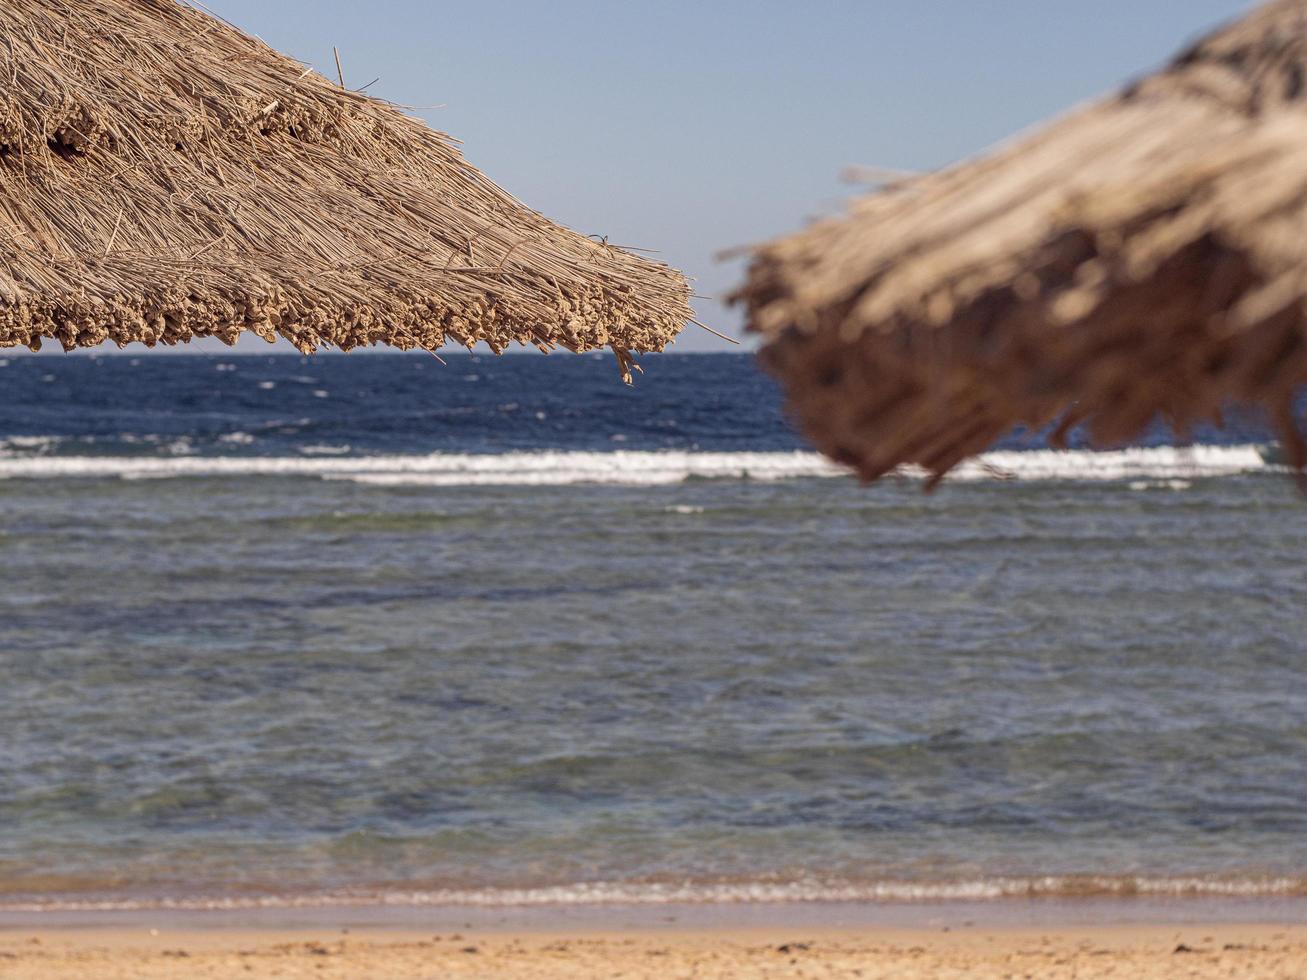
x: 995, y: 914
x: 725, y: 892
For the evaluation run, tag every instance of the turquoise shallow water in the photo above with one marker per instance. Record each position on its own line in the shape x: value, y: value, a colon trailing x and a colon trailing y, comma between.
x: 282, y: 687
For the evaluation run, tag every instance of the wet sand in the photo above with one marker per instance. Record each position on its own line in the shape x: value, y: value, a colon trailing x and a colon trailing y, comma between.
x: 982, y: 952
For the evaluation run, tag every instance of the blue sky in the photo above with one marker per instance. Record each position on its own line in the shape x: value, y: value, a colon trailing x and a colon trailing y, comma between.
x: 690, y: 127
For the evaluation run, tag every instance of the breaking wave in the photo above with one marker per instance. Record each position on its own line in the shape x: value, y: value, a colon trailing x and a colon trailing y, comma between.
x: 1160, y: 466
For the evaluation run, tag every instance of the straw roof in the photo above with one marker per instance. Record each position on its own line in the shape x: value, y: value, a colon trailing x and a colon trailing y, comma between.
x: 164, y: 176
x: 1143, y: 257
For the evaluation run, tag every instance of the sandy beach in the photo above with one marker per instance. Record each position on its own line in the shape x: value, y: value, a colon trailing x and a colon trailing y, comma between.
x: 1245, y: 951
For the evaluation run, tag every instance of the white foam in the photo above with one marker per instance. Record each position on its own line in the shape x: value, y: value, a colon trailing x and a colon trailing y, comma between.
x: 324, y: 450
x: 710, y: 893
x: 440, y: 469
x: 28, y: 444
x: 1161, y: 485
x: 630, y: 468
x: 612, y: 468
x: 1155, y: 463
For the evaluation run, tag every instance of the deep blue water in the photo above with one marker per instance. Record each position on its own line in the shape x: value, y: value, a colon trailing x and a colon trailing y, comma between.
x: 414, y: 404
x: 390, y: 404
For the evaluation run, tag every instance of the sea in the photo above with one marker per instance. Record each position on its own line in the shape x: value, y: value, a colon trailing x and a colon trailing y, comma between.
x: 380, y: 630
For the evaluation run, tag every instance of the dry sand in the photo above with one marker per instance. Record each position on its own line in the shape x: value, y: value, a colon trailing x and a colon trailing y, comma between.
x: 1122, y: 953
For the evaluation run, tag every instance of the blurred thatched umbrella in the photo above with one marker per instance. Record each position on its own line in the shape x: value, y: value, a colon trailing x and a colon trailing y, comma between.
x: 164, y: 176
x: 1143, y: 257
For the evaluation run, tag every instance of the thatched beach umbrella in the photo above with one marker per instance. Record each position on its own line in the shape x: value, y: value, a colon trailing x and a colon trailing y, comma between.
x: 164, y: 176
x: 1143, y: 257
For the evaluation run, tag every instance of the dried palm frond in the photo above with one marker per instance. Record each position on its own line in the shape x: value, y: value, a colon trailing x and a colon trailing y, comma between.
x: 163, y: 176
x: 1142, y: 258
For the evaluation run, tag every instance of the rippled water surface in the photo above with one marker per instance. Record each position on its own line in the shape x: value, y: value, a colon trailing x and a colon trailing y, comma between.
x: 743, y: 678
